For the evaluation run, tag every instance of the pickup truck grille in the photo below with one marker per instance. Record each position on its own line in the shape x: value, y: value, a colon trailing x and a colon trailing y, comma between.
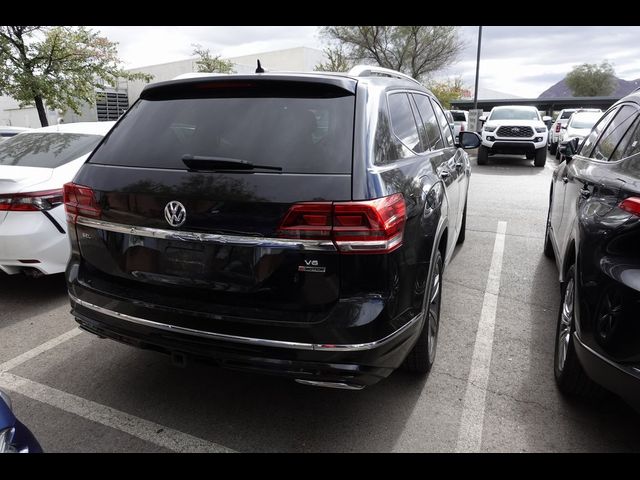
x: 513, y: 131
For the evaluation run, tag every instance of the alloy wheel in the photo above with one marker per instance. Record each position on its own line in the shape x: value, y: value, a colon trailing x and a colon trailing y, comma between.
x: 566, y: 322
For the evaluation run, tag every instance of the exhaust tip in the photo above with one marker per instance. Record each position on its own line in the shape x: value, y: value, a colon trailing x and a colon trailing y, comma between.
x: 339, y: 385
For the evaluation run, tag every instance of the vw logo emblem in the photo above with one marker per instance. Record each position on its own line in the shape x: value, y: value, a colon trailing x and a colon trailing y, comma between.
x: 175, y: 214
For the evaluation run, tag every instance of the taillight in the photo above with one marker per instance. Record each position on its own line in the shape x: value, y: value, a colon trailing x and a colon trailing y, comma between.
x: 631, y: 205
x: 80, y: 201
x: 558, y: 126
x: 462, y: 127
x: 371, y: 226
x: 31, y: 201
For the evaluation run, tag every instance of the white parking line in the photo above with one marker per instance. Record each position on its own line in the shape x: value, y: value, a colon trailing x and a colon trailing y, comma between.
x: 34, y: 352
x: 472, y: 419
x: 110, y: 417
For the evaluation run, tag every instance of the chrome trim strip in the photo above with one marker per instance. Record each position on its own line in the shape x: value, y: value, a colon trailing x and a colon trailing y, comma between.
x: 247, y: 340
x: 342, y: 385
x: 313, y: 245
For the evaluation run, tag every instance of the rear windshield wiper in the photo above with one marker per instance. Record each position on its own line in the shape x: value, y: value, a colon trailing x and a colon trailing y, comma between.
x: 199, y: 163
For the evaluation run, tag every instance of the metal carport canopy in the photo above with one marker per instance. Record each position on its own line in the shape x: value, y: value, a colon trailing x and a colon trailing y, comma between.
x: 546, y: 104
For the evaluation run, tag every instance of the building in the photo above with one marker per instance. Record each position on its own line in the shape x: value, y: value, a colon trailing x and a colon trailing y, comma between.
x: 113, y: 102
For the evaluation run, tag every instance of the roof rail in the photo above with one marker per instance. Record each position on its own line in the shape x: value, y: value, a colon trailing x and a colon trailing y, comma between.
x: 372, y: 71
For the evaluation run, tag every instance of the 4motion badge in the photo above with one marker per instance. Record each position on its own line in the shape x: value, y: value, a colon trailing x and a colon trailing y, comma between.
x: 311, y: 266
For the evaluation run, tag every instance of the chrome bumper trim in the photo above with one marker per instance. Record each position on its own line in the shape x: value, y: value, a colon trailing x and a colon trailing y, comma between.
x: 247, y: 340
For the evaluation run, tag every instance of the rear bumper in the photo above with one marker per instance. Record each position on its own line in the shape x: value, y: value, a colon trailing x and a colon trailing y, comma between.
x: 33, y: 236
x: 623, y: 380
x: 354, y: 365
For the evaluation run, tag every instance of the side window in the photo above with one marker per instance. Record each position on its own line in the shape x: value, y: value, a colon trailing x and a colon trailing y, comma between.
x: 402, y: 121
x: 430, y: 130
x: 447, y: 135
x: 632, y: 144
x: 614, y: 132
x: 587, y: 144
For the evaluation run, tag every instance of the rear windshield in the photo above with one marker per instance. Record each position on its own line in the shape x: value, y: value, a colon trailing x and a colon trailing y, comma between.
x: 46, y: 149
x: 566, y: 114
x: 305, y: 135
x: 459, y: 116
x: 584, y: 121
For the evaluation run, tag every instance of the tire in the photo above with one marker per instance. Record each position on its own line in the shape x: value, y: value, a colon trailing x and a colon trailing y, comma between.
x: 483, y: 155
x: 558, y: 155
x: 463, y: 225
x: 548, y: 247
x: 569, y: 374
x: 553, y: 148
x: 541, y: 157
x: 421, y: 357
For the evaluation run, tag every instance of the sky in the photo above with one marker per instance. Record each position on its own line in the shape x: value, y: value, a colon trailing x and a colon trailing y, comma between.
x: 519, y: 60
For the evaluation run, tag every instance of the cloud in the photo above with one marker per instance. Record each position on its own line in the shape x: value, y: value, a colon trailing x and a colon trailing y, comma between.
x: 522, y: 60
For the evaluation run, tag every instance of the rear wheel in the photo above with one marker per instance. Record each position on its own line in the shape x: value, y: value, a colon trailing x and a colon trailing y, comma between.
x: 483, y: 155
x: 570, y: 376
x: 558, y: 155
x: 553, y: 148
x: 541, y: 157
x: 423, y: 354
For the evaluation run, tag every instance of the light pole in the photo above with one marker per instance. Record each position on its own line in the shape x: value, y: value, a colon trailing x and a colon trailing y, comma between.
x: 475, y: 90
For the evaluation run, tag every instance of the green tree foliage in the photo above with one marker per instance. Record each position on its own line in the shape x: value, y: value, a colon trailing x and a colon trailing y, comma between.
x: 59, y: 66
x: 591, y: 80
x: 337, y: 60
x: 211, y: 64
x: 413, y: 50
x: 448, y: 90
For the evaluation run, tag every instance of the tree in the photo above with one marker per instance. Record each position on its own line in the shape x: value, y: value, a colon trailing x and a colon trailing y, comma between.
x: 337, y: 60
x: 414, y: 50
x: 208, y: 64
x: 591, y: 80
x: 448, y: 90
x: 59, y: 66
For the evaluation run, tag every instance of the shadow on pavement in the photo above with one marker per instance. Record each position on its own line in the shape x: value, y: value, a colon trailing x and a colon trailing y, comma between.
x: 23, y: 297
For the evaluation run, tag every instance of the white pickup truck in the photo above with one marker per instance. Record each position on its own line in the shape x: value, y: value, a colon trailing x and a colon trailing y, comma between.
x: 514, y: 130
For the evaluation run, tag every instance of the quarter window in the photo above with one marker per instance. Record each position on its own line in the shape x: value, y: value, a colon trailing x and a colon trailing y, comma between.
x: 632, y: 145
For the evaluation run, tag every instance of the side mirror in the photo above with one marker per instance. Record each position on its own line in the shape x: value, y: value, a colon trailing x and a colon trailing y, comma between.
x: 569, y: 148
x: 482, y: 118
x: 546, y: 119
x: 563, y: 127
x: 469, y: 140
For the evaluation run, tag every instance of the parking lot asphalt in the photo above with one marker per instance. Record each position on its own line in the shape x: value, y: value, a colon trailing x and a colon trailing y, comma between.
x: 491, y: 388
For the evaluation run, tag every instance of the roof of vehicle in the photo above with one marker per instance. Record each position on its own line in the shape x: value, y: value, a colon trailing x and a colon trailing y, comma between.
x: 343, y: 80
x: 88, y: 128
x: 514, y: 107
x: 10, y: 129
x: 586, y: 114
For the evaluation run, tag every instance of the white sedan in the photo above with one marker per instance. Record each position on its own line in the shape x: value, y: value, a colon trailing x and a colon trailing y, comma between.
x: 34, y: 166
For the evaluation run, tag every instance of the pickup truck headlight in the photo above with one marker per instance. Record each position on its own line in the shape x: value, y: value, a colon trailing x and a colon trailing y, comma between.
x: 541, y: 129
x: 490, y: 129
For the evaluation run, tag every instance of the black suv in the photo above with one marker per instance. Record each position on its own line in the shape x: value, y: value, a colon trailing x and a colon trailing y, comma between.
x: 292, y: 224
x: 593, y: 230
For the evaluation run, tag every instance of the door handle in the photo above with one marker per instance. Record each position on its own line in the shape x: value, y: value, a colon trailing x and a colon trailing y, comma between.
x: 585, y: 192
x: 565, y: 180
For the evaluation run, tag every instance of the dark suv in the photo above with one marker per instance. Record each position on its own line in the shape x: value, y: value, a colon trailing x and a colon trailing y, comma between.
x: 292, y: 224
x: 593, y: 230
